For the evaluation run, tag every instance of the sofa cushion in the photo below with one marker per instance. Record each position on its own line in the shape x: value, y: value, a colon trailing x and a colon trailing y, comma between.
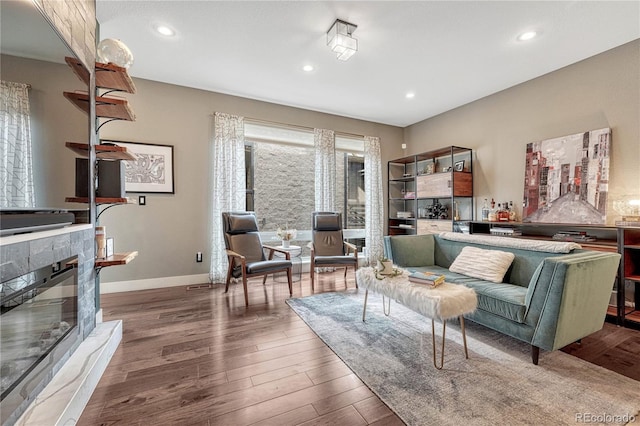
x: 411, y: 250
x: 504, y: 300
x: 490, y: 265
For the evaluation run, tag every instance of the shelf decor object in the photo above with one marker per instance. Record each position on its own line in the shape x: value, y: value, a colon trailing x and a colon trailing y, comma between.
x: 566, y: 179
x: 152, y: 169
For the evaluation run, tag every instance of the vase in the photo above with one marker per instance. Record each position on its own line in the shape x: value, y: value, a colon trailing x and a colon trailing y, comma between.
x: 286, y: 243
x: 385, y: 267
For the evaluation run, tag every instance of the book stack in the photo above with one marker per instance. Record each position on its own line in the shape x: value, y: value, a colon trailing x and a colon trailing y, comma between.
x: 426, y: 278
x: 404, y: 215
x: 574, y: 236
x: 505, y: 231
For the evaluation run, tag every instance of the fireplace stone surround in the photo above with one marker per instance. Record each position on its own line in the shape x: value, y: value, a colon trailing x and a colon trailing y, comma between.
x: 20, y: 254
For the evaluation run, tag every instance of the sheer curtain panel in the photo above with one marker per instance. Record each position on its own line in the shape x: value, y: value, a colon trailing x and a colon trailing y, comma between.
x: 374, y: 209
x: 325, y: 169
x: 228, y: 184
x: 16, y: 169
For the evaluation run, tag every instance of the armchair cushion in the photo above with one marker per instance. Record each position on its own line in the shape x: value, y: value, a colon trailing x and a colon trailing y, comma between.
x: 249, y: 245
x: 267, y: 266
x: 241, y: 223
x: 328, y: 243
x: 327, y: 222
x: 334, y: 260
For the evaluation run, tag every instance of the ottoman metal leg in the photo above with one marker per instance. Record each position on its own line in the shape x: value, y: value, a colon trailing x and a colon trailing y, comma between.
x: 386, y: 310
x: 364, y: 309
x: 444, y: 330
x: 433, y: 341
x: 464, y: 337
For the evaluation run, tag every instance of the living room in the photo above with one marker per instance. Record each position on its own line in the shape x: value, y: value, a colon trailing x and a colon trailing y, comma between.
x: 599, y: 91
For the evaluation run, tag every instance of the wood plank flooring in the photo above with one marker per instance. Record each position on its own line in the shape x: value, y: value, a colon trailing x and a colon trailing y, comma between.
x: 199, y: 357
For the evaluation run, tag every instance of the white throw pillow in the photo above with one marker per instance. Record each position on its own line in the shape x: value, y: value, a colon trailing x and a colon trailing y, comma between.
x: 490, y: 265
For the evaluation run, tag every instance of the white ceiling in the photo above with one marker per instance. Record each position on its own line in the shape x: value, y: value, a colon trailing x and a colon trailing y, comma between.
x: 448, y: 53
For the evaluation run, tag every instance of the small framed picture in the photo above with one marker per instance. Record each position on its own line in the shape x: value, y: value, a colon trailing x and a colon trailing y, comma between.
x: 459, y: 166
x: 109, y: 247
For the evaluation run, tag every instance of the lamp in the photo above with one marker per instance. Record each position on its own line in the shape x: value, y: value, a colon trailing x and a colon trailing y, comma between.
x: 339, y: 39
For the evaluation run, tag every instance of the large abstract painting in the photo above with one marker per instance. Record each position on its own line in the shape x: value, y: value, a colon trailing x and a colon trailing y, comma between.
x: 152, y: 170
x: 567, y: 179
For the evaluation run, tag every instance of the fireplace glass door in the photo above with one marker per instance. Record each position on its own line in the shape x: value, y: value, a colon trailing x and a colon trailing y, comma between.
x: 39, y: 310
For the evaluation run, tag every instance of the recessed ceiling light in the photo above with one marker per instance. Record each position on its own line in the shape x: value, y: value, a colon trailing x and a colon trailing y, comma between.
x: 410, y: 95
x: 307, y: 68
x: 528, y: 35
x: 165, y: 31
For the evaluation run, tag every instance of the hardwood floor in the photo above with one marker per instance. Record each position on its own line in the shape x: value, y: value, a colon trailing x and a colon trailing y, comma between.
x: 199, y: 357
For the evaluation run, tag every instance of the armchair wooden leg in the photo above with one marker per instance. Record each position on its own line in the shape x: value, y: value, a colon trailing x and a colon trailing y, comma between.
x: 226, y: 287
x: 246, y: 295
x: 312, y: 272
x: 355, y: 278
x: 264, y: 279
x: 290, y: 279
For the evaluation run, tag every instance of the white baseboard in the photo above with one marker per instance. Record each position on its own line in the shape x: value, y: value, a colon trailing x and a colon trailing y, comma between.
x: 151, y: 283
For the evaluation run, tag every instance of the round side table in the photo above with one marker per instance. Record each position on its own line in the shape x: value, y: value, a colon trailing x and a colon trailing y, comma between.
x: 296, y: 262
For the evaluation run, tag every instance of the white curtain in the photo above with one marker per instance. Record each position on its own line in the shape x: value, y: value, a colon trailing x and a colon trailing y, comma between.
x: 228, y: 184
x: 16, y: 169
x: 325, y: 169
x: 373, y: 204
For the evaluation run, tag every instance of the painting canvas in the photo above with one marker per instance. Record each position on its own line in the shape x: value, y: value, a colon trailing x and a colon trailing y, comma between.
x: 152, y: 170
x: 567, y: 179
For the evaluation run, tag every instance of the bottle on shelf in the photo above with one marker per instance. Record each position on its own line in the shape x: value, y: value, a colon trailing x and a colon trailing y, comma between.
x: 512, y: 212
x: 485, y: 211
x: 503, y: 213
x: 493, y: 214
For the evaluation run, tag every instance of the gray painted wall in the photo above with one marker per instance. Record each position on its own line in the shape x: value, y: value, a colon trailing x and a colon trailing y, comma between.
x: 602, y: 91
x: 171, y: 228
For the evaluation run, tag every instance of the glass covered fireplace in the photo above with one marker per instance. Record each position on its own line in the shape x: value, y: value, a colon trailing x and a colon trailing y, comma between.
x: 38, y: 325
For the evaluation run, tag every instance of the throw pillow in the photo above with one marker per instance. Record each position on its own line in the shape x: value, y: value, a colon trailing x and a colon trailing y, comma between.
x: 490, y: 265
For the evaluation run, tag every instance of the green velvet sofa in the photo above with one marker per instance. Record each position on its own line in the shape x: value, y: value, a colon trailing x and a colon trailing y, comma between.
x: 546, y: 299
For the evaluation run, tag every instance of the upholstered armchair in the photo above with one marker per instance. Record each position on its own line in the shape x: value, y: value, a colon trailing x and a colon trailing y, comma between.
x: 246, y: 253
x: 328, y: 248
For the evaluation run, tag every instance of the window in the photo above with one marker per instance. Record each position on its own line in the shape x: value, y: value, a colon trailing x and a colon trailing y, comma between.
x: 280, y: 180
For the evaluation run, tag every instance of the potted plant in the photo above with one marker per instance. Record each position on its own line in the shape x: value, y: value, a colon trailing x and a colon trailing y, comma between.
x: 286, y: 235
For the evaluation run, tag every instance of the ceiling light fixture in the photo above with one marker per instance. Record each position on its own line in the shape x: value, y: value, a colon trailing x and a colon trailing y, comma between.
x: 410, y: 95
x: 165, y: 31
x: 307, y: 68
x: 340, y: 41
x: 527, y: 36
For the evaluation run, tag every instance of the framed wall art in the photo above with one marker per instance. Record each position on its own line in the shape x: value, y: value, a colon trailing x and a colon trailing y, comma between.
x: 151, y: 171
x: 567, y: 179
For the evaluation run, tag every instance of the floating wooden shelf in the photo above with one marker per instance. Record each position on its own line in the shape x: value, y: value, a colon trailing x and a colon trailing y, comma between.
x: 108, y: 76
x: 101, y: 200
x: 113, y: 260
x: 103, y: 152
x: 105, y: 107
x: 116, y: 259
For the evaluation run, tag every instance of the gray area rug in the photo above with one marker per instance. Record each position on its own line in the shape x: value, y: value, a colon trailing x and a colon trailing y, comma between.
x: 497, y: 385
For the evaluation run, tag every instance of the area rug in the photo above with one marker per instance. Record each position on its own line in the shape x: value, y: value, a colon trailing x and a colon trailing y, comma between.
x: 498, y: 384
